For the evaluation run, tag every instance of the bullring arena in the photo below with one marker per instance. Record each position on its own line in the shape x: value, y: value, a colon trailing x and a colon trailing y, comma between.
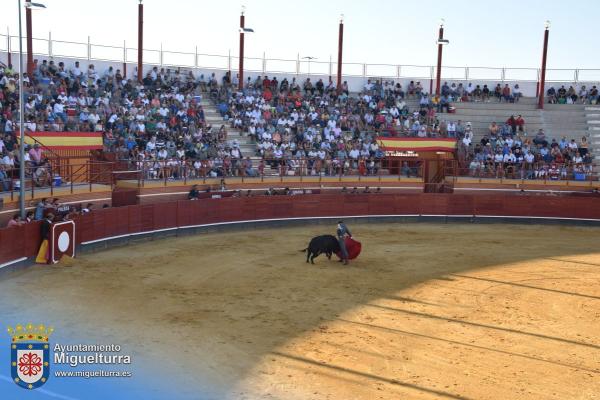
x: 154, y: 206
x: 445, y: 308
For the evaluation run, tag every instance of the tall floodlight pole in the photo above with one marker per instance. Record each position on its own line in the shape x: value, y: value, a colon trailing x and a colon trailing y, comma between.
x: 241, y: 72
x: 29, y: 29
x: 243, y: 31
x: 340, y: 49
x: 543, y: 72
x: 29, y: 6
x: 439, y: 59
x: 140, y: 67
x: 21, y: 130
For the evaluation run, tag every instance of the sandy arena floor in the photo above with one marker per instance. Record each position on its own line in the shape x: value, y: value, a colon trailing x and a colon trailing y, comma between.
x: 428, y: 311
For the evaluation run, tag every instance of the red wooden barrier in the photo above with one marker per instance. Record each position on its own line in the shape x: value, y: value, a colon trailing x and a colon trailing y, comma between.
x: 24, y: 241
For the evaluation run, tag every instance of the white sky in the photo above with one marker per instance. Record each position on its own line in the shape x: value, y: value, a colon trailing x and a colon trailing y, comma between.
x: 482, y: 33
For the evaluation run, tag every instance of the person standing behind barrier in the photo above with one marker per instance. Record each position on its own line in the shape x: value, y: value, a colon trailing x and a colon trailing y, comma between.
x: 44, y: 252
x: 342, y: 232
x: 40, y: 208
x: 193, y: 194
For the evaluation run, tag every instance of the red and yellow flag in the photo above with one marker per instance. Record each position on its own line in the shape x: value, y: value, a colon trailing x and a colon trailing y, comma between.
x: 417, y: 144
x: 66, y: 140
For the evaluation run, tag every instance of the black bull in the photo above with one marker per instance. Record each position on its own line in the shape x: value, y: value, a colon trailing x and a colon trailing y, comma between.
x: 327, y: 244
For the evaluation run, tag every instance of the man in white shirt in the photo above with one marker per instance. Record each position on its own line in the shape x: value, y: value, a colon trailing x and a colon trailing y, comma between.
x: 8, y: 126
x: 468, y: 138
x: 62, y: 97
x: 163, y: 111
x: 469, y: 89
x: 509, y: 158
x: 572, y: 145
x: 59, y: 111
x: 451, y: 127
x: 151, y: 145
x: 76, y: 71
x: 162, y: 154
x: 94, y: 118
x: 30, y: 126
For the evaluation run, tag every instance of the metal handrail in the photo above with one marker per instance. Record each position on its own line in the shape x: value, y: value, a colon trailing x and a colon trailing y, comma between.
x: 183, y: 172
x: 49, y: 40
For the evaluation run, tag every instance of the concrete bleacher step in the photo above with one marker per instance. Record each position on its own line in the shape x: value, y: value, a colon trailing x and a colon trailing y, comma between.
x: 474, y: 109
x: 565, y: 107
x: 213, y: 117
x: 485, y: 118
x: 557, y: 120
x: 498, y: 107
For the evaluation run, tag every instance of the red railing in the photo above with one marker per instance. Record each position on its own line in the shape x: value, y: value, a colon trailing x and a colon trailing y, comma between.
x: 47, y: 178
x: 536, y: 171
x: 182, y: 171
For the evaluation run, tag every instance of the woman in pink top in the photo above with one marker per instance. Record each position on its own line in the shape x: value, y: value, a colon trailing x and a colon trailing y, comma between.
x: 15, y: 221
x: 36, y: 154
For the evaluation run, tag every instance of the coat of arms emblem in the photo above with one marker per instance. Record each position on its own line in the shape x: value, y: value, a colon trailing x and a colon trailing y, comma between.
x: 30, y: 355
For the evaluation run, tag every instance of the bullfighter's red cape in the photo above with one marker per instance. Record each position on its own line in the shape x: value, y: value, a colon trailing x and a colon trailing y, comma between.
x: 354, y: 247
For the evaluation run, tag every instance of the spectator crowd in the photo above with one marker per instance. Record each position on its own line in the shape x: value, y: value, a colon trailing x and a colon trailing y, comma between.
x: 310, y: 128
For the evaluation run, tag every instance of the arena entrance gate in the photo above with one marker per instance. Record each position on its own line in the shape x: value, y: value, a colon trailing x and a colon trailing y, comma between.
x: 432, y: 159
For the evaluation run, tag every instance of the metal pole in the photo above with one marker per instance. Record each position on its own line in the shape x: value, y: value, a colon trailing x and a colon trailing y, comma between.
x: 241, y: 72
x: 21, y: 130
x: 8, y: 45
x: 140, y: 41
x: 431, y: 80
x: 29, y: 41
x: 439, y: 62
x: 340, y: 56
x: 124, y: 59
x: 543, y: 77
x: 50, y: 44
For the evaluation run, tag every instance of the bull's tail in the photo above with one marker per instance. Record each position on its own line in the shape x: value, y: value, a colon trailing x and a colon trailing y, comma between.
x: 303, y: 251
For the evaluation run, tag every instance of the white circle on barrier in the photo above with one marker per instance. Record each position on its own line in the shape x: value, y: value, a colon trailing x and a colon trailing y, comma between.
x: 63, y: 241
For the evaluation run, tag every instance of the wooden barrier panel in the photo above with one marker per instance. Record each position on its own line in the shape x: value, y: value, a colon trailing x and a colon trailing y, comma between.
x: 24, y: 241
x: 11, y: 243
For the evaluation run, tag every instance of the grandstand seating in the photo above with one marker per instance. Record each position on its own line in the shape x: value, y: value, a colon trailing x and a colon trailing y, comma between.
x: 569, y: 120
